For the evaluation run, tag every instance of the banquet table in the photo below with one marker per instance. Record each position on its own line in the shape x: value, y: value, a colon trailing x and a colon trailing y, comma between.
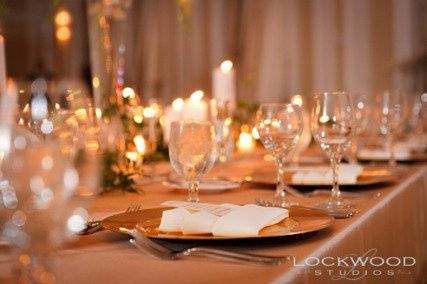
x: 391, y: 225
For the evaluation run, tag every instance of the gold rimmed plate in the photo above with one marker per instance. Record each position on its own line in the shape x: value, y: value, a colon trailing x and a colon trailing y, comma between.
x: 301, y: 220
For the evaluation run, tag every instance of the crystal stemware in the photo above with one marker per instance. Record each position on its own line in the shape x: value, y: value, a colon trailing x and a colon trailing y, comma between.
x: 279, y: 127
x: 392, y: 113
x: 222, y: 119
x: 361, y: 112
x: 50, y: 182
x: 304, y: 141
x: 192, y: 152
x: 331, y: 125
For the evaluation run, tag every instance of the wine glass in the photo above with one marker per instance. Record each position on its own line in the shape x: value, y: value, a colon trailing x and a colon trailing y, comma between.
x: 279, y: 127
x: 305, y: 139
x: 192, y: 152
x: 222, y: 119
x: 331, y: 125
x: 51, y: 181
x: 392, y: 114
x: 361, y: 112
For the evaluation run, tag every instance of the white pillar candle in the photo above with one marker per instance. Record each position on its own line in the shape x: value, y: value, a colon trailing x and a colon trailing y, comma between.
x: 224, y: 83
x: 195, y: 107
x: 246, y: 143
x: 172, y: 113
x: 8, y: 105
x: 150, y: 116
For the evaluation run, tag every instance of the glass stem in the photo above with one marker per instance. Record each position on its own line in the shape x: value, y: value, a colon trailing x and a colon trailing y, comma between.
x: 222, y: 152
x: 193, y: 190
x: 353, y: 151
x: 280, y: 187
x: 390, y: 142
x: 335, y: 193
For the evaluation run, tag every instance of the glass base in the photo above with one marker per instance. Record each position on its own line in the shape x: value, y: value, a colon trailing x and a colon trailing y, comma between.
x: 338, y: 209
x: 275, y: 202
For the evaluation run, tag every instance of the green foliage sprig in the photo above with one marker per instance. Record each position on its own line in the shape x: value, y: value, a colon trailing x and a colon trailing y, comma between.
x: 114, y: 178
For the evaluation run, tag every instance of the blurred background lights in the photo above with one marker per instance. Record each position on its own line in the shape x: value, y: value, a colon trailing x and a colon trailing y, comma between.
x: 128, y: 93
x: 71, y: 179
x: 149, y: 112
x: 63, y: 28
x: 62, y: 18
x: 76, y: 223
x: 47, y: 163
x: 197, y: 95
x: 297, y: 100
x: 178, y: 104
x: 226, y: 66
x: 47, y: 126
x: 39, y: 107
x: 63, y: 34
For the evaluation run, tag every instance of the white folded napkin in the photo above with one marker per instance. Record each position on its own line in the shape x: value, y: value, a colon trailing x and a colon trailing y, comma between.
x: 225, y: 220
x: 348, y: 174
x: 401, y: 152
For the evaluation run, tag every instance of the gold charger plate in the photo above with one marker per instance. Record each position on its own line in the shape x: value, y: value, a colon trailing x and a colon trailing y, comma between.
x: 301, y: 220
x: 369, y: 176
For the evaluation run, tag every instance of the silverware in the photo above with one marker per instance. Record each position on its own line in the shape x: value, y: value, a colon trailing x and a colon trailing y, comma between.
x: 345, y: 194
x: 99, y: 225
x: 157, y: 250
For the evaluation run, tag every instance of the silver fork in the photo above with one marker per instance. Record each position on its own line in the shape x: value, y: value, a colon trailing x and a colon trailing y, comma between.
x: 96, y: 225
x: 146, y: 245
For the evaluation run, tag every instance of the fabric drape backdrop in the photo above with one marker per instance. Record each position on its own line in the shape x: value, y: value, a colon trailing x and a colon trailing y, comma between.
x: 279, y: 47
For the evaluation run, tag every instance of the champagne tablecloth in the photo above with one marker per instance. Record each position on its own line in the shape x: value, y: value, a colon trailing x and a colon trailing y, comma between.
x: 393, y: 226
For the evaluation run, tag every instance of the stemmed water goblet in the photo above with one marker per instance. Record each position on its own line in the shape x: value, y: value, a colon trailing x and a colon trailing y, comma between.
x: 221, y: 119
x: 192, y: 152
x: 392, y: 113
x: 51, y: 181
x: 305, y: 138
x: 279, y: 127
x: 331, y: 125
x: 360, y: 116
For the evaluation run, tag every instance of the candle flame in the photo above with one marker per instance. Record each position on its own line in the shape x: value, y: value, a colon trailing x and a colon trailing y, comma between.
x: 226, y: 66
x: 149, y: 112
x: 197, y: 96
x: 246, y: 143
x: 139, y: 142
x: 98, y: 113
x: 128, y: 93
x: 137, y: 118
x: 132, y: 156
x: 178, y: 104
x: 297, y: 100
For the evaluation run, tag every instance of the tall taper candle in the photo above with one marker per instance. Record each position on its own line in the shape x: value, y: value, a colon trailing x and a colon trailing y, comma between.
x: 224, y: 83
x: 3, y: 84
x: 8, y: 104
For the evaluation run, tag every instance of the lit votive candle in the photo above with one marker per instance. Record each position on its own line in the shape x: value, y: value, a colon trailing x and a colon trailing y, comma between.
x: 133, y: 158
x: 139, y: 142
x: 246, y: 143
